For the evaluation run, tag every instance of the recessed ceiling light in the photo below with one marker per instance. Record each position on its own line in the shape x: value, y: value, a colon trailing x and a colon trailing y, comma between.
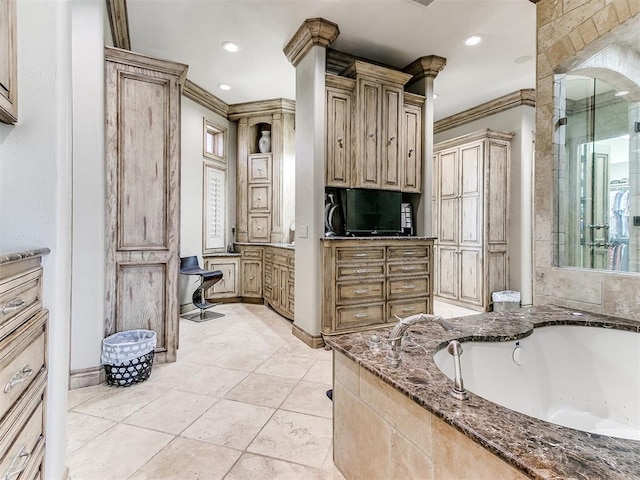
x: 472, y: 40
x: 231, y: 47
x: 621, y: 93
x: 224, y: 86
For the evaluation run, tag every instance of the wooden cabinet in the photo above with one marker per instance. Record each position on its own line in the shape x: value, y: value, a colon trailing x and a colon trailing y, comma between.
x: 228, y: 286
x: 367, y: 282
x: 143, y: 196
x: 471, y: 186
x: 279, y: 280
x: 8, y: 63
x: 23, y: 367
x: 265, y: 193
x: 250, y: 272
x: 373, y: 130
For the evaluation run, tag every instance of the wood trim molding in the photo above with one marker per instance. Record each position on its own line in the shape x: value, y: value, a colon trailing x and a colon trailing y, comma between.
x: 203, y: 97
x: 429, y: 66
x: 86, y: 377
x: 470, y: 137
x: 118, y: 55
x: 313, y: 341
x: 512, y: 100
x: 262, y: 107
x: 119, y: 23
x: 386, y: 74
x: 313, y: 31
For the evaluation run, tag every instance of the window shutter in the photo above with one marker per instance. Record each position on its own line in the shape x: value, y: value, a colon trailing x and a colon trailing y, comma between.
x: 215, y: 208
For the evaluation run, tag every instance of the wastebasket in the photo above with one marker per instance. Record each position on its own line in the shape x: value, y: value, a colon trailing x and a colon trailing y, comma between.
x: 505, y: 300
x: 128, y: 356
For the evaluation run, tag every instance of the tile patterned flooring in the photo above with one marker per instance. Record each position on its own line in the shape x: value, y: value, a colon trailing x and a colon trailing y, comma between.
x: 245, y: 400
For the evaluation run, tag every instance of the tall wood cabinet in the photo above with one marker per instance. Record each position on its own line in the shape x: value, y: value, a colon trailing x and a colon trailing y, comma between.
x: 23, y: 366
x: 143, y: 196
x: 471, y: 187
x: 373, y: 130
x: 8, y: 63
x: 265, y: 180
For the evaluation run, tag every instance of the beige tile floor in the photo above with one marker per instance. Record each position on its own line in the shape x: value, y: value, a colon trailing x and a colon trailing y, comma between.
x: 245, y: 400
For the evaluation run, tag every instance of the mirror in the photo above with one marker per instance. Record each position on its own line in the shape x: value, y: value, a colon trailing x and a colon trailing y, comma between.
x: 598, y: 217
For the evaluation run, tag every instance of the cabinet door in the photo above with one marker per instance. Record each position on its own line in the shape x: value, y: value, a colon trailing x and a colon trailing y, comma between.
x: 392, y: 113
x: 448, y: 278
x: 470, y: 280
x: 412, y: 152
x: 284, y: 286
x: 338, y: 135
x: 259, y: 227
x: 251, y: 285
x: 8, y: 63
x: 448, y: 200
x: 228, y: 286
x: 260, y: 168
x: 259, y: 198
x: 367, y: 156
x: 471, y: 179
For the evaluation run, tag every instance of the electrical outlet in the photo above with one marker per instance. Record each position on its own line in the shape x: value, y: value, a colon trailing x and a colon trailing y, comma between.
x: 636, y: 221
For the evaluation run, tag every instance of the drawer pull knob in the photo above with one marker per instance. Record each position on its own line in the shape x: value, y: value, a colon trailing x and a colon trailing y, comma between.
x: 364, y: 270
x: 340, y: 142
x: 13, y: 305
x: 408, y: 287
x: 361, y: 315
x: 18, y: 464
x: 361, y: 291
x: 21, y: 376
x: 361, y: 255
x: 408, y: 309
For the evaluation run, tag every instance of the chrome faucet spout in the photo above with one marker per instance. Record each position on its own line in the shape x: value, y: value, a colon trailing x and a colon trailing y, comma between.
x: 395, y: 337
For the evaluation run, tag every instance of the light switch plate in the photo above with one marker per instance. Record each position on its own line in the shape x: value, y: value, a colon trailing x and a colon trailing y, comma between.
x: 303, y: 231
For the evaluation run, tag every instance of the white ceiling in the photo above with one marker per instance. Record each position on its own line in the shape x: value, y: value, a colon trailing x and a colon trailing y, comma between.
x: 394, y: 32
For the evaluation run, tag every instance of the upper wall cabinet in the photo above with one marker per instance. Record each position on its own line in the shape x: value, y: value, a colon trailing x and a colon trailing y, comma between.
x: 8, y: 63
x: 372, y: 134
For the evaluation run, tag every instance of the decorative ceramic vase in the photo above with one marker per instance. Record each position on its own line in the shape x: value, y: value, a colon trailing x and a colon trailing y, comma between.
x: 264, y: 144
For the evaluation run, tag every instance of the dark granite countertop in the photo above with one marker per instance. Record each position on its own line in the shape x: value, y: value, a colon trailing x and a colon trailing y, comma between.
x: 287, y: 246
x: 539, y: 449
x: 15, y: 256
x: 387, y: 237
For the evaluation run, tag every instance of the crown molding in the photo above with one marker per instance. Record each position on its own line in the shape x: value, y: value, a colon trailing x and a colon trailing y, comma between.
x: 521, y: 97
x: 429, y: 66
x: 313, y: 31
x: 205, y: 98
x: 119, y: 55
x: 262, y: 107
x: 119, y: 23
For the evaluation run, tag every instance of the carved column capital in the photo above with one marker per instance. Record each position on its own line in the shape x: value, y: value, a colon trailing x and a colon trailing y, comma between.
x: 313, y: 31
x: 423, y: 67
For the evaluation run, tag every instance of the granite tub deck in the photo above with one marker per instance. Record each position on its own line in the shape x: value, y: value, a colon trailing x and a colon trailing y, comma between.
x: 536, y: 448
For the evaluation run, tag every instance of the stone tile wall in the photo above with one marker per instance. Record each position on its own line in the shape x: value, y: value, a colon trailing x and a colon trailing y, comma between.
x: 568, y: 33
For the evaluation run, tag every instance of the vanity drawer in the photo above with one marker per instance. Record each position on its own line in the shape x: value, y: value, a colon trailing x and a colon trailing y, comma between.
x: 405, y: 268
x: 366, y: 254
x: 405, y: 308
x: 361, y: 291
x: 20, y: 297
x: 251, y: 253
x: 22, y: 455
x: 22, y: 357
x: 408, y: 253
x: 357, y: 316
x: 355, y: 272
x: 407, y: 287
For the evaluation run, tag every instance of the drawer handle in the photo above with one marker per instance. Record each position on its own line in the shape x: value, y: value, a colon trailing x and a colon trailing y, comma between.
x: 360, y: 254
x: 410, y: 152
x: 408, y: 253
x: 408, y: 309
x: 361, y: 315
x: 361, y: 291
x: 13, y: 305
x: 340, y: 142
x: 18, y: 464
x: 364, y: 270
x: 408, y: 287
x: 21, y: 376
x: 406, y: 269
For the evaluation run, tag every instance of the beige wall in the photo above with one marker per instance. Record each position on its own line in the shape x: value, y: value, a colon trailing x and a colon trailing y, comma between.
x: 569, y: 32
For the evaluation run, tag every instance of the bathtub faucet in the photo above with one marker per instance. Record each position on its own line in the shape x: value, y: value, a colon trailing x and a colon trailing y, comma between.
x: 395, y: 337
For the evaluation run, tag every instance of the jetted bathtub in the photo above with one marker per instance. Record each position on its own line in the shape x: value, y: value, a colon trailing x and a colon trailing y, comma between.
x: 582, y: 377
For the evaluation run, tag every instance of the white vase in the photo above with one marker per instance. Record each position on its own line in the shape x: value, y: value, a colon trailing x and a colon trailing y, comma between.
x: 264, y: 144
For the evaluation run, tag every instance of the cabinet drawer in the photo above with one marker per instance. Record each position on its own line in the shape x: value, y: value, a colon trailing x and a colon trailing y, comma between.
x: 259, y: 227
x: 357, y: 316
x: 404, y: 308
x: 421, y: 268
x: 259, y: 168
x: 407, y: 287
x: 344, y: 255
x: 408, y: 252
x: 20, y: 297
x: 252, y: 253
x: 259, y: 198
x: 22, y: 356
x: 362, y: 291
x: 25, y: 449
x: 353, y: 272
